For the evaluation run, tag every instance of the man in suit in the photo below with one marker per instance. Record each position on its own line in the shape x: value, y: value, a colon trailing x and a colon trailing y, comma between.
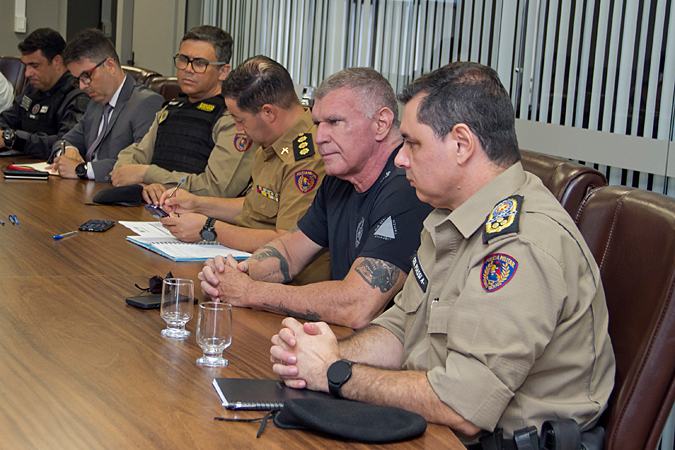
x: 121, y: 113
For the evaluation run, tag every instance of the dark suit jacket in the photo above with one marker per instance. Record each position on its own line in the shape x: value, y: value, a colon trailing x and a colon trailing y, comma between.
x: 129, y: 122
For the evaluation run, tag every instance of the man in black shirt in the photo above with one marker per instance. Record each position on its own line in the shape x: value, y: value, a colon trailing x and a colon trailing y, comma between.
x: 50, y: 106
x: 365, y: 212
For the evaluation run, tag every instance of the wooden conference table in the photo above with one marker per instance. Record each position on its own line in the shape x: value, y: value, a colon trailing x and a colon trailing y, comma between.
x: 79, y: 369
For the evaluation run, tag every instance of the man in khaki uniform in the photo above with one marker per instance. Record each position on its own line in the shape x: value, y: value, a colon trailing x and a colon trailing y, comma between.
x: 286, y: 172
x: 193, y: 137
x: 503, y: 321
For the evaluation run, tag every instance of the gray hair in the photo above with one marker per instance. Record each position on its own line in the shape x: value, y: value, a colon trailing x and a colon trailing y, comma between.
x: 373, y: 89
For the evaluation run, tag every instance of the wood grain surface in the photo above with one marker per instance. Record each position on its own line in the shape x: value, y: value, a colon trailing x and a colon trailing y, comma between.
x: 80, y: 369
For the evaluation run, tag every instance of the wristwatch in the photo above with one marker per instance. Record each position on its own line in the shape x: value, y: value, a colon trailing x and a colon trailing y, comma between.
x: 338, y: 374
x: 208, y: 233
x: 81, y: 171
x: 8, y: 136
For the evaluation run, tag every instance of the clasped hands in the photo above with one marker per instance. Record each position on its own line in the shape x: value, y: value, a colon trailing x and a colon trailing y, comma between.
x: 302, y: 354
x: 226, y: 280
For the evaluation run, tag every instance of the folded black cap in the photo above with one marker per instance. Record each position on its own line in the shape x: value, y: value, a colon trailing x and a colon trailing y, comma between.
x: 122, y: 196
x: 356, y: 421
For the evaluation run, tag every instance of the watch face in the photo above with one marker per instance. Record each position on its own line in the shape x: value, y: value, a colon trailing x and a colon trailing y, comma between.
x: 339, y: 372
x: 8, y: 135
x: 208, y: 235
x: 81, y: 170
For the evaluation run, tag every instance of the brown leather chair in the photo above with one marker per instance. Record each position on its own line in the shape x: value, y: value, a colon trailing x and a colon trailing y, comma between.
x: 141, y: 75
x: 167, y: 87
x: 631, y: 233
x: 568, y: 181
x: 14, y: 70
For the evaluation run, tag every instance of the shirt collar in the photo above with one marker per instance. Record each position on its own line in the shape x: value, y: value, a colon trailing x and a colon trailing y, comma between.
x: 113, y: 100
x: 284, y: 145
x: 471, y: 214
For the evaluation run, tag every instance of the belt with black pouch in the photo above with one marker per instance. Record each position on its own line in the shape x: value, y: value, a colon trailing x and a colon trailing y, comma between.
x: 563, y: 434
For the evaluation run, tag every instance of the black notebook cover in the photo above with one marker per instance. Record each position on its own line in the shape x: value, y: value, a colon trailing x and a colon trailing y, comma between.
x: 264, y: 395
x: 25, y: 174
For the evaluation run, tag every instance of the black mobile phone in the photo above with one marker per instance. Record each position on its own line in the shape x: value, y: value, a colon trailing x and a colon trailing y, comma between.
x: 152, y: 301
x: 96, y: 225
x: 156, y: 211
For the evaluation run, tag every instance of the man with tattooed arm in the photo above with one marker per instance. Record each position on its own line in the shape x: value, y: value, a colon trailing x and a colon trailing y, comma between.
x: 365, y: 213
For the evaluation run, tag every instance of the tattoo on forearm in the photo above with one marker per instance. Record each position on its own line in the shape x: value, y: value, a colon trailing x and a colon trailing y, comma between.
x: 267, y: 251
x: 293, y: 229
x: 378, y: 274
x: 309, y: 315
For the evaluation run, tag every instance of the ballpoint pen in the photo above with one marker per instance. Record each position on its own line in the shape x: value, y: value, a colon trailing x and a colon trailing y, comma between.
x: 176, y: 188
x: 61, y: 236
x: 2, y: 222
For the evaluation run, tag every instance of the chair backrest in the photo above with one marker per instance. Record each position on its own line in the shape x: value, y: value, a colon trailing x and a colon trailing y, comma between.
x: 568, y: 181
x: 631, y: 233
x: 167, y: 87
x: 141, y: 75
x: 13, y: 69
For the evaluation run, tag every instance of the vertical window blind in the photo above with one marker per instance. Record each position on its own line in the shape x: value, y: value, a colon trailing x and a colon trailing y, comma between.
x: 602, y: 66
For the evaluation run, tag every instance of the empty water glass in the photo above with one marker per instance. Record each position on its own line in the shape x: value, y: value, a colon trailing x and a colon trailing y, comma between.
x: 214, y: 332
x: 177, y: 307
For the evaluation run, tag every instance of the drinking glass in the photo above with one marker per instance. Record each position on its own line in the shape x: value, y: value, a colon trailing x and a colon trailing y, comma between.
x: 214, y: 332
x: 177, y: 306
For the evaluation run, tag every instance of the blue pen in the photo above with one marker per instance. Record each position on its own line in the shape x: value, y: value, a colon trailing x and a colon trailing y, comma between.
x: 61, y: 236
x: 14, y: 220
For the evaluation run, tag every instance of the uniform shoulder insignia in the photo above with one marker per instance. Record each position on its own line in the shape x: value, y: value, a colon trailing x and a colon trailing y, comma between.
x: 242, y: 142
x: 208, y: 107
x: 305, y: 180
x: 498, y: 269
x: 303, y: 146
x: 504, y: 218
x: 163, y: 116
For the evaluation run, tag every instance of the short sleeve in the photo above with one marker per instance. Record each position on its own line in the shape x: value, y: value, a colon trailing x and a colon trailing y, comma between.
x: 396, y: 222
x: 494, y: 333
x: 295, y: 198
x: 314, y: 224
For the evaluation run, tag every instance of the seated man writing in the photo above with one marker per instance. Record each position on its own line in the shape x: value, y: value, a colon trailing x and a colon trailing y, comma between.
x: 503, y: 321
x: 261, y: 97
x: 193, y: 137
x: 120, y: 114
x: 365, y: 213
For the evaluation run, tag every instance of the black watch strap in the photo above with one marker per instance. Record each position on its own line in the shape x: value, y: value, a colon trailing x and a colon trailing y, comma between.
x: 208, y: 232
x: 338, y: 374
x: 81, y: 171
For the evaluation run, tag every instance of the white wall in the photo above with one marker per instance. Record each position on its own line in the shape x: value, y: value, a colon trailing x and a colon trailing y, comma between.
x: 157, y: 30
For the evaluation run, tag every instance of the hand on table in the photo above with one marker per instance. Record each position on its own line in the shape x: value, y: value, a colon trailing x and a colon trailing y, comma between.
x: 186, y: 227
x: 128, y: 174
x: 226, y: 280
x: 153, y: 192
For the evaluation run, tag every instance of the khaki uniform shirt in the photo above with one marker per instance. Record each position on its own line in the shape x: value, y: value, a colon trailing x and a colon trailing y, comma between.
x: 515, y: 343
x: 226, y: 175
x: 276, y: 200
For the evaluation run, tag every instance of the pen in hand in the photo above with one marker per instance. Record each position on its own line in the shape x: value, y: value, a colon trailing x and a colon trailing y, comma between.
x: 61, y: 236
x: 176, y: 188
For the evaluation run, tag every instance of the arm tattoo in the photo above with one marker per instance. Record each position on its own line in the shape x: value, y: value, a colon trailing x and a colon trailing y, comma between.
x: 267, y: 251
x: 309, y: 315
x: 378, y: 274
x: 293, y: 229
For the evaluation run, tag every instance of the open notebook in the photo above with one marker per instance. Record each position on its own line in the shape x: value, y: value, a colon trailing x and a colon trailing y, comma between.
x: 176, y: 250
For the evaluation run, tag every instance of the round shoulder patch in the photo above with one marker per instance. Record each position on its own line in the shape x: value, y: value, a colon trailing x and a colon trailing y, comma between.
x: 305, y: 180
x: 242, y: 142
x: 498, y: 269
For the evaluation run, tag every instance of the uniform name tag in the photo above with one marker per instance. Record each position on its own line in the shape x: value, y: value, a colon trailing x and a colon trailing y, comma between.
x: 421, y: 278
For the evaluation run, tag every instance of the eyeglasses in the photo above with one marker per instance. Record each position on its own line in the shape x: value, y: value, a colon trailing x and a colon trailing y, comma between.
x: 85, y: 77
x: 199, y: 65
